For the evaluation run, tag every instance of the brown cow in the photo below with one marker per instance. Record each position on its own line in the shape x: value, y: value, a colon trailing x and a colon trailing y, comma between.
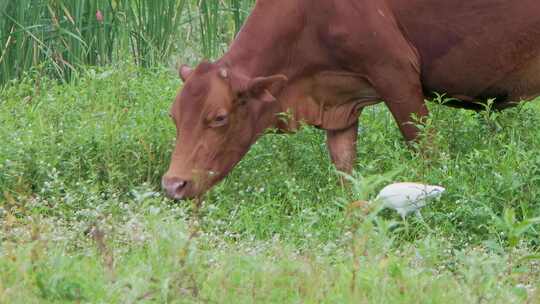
x: 325, y: 60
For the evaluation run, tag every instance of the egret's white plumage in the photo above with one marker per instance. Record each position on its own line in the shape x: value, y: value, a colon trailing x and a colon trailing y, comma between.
x: 408, y: 197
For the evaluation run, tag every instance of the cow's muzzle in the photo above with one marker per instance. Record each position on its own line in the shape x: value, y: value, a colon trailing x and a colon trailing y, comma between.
x: 176, y: 188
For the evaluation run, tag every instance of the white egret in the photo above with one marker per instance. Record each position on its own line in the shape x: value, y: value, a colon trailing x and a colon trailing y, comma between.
x: 408, y: 197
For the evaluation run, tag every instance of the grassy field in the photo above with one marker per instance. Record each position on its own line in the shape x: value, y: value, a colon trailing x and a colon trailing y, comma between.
x: 83, y: 219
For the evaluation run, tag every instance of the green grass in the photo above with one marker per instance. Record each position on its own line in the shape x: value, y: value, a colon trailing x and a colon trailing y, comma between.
x: 83, y: 219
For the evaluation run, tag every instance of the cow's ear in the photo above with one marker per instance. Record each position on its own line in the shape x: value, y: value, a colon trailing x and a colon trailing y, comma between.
x: 266, y: 88
x: 184, y: 72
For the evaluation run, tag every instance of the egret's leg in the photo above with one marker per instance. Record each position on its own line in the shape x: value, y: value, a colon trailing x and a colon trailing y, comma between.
x: 421, y: 218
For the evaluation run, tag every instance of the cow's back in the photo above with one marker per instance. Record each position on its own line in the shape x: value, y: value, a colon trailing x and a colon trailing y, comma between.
x: 467, y: 47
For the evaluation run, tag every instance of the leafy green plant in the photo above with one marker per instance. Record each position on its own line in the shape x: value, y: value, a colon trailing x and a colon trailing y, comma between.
x: 513, y: 229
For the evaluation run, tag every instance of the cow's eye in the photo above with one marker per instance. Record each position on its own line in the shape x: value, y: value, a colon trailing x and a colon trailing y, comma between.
x: 219, y: 121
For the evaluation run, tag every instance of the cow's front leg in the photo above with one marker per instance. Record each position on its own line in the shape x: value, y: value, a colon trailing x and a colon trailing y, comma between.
x: 342, y: 147
x: 400, y: 87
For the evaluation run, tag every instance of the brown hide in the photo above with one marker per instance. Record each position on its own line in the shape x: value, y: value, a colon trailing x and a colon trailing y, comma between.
x: 321, y: 61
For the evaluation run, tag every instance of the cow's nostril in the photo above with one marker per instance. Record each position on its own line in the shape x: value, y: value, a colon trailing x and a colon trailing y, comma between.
x: 175, y: 187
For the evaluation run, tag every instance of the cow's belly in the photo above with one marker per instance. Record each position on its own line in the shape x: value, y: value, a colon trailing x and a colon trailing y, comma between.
x: 475, y: 48
x: 477, y: 77
x: 521, y: 84
x: 508, y: 89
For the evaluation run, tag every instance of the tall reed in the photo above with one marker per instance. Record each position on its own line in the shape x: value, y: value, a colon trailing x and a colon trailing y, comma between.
x: 21, y: 37
x: 58, y: 36
x: 153, y: 28
x: 209, y: 17
x: 239, y: 10
x: 55, y: 35
x: 219, y: 21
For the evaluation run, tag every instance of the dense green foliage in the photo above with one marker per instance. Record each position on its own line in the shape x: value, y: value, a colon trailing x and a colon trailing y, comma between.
x: 83, y: 218
x: 59, y: 36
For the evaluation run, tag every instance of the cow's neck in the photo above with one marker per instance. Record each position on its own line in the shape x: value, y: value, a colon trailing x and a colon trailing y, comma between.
x: 263, y: 46
x: 252, y: 63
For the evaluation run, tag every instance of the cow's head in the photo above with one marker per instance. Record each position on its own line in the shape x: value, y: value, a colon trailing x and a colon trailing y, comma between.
x: 218, y: 114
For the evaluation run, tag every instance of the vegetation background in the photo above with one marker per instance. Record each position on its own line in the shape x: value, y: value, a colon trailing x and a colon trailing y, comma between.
x: 85, y: 137
x: 57, y: 37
